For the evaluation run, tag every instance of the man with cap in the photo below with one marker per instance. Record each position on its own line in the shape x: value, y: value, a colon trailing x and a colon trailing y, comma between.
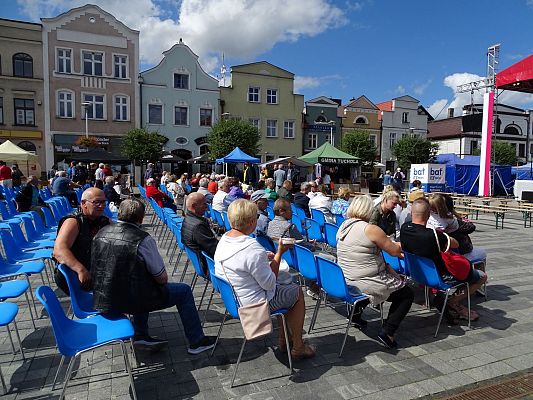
x: 260, y: 198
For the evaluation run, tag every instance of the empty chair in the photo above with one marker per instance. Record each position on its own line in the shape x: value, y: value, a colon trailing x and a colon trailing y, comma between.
x: 14, y: 288
x: 314, y: 232
x: 339, y: 219
x: 318, y: 216
x: 330, y: 234
x: 82, y: 300
x: 8, y: 313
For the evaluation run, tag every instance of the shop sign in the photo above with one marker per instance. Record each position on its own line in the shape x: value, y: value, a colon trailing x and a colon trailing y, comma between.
x: 321, y: 128
x: 340, y: 161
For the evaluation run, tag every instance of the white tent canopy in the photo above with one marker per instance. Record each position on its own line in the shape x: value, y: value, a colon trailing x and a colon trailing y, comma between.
x: 12, y: 154
x: 286, y: 160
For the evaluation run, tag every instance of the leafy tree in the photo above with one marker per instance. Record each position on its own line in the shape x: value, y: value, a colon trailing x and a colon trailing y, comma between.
x: 141, y: 145
x: 502, y: 153
x: 358, y: 144
x: 414, y: 150
x: 227, y: 134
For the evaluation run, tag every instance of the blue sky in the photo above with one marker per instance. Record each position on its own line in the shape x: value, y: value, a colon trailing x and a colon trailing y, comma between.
x: 338, y: 48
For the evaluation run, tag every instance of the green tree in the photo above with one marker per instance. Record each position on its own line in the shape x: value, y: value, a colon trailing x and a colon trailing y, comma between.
x: 414, y: 150
x: 227, y: 134
x: 141, y: 145
x: 502, y: 153
x: 358, y: 144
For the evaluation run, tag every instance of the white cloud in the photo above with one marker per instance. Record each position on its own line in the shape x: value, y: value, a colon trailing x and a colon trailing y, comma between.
x: 529, y: 3
x: 399, y: 89
x: 305, y: 82
x: 516, y: 99
x: 238, y: 28
x: 419, y: 89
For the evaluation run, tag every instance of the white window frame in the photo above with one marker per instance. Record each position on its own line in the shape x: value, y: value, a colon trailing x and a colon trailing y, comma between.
x: 289, y: 130
x: 187, y: 117
x: 405, y: 117
x: 200, y: 116
x: 93, y: 62
x: 72, y: 101
x: 162, y: 113
x: 124, y: 106
x: 269, y: 127
x: 272, y: 94
x: 27, y: 113
x: 360, y: 123
x: 251, y: 92
x: 61, y: 61
x: 94, y: 105
x: 392, y: 139
x: 184, y: 74
x: 255, y: 122
x: 124, y: 64
x: 374, y: 139
x: 312, y: 141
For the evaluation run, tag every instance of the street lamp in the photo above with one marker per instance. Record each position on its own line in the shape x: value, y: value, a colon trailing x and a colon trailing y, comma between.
x: 331, y: 124
x: 85, y: 105
x: 225, y: 115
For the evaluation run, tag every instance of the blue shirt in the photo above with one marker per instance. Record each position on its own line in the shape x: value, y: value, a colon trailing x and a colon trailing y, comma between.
x: 61, y: 185
x: 340, y: 206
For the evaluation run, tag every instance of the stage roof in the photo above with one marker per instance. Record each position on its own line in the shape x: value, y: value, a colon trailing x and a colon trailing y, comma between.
x: 518, y: 77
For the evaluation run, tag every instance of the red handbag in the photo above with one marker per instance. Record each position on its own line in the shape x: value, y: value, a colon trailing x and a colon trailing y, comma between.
x: 456, y: 264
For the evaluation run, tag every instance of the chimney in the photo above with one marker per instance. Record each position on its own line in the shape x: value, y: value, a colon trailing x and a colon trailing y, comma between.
x: 450, y: 112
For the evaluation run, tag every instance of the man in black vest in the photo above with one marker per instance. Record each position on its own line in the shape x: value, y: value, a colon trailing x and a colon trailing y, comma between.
x: 130, y: 277
x: 74, y: 236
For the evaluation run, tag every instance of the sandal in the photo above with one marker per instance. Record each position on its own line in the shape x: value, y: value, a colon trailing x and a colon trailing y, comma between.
x: 306, y: 351
x: 463, y: 312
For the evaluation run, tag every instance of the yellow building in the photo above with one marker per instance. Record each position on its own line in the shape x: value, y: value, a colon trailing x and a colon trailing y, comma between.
x: 362, y: 114
x: 263, y: 94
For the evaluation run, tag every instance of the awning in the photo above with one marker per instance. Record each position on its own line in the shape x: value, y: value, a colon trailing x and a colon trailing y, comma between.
x: 285, y: 160
x: 328, y: 154
x: 238, y: 156
x: 518, y: 77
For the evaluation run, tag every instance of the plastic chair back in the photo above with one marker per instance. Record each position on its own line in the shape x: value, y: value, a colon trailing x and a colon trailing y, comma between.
x: 48, y: 217
x: 339, y: 219
x: 39, y: 224
x: 18, y: 236
x: 82, y: 301
x: 297, y: 222
x: 218, y: 218
x: 4, y: 211
x: 225, y: 218
x: 300, y: 212
x: 270, y: 212
x: 330, y: 233
x: 195, y: 260
x: 270, y: 203
x: 11, y: 249
x: 423, y: 270
x: 211, y: 268
x: 313, y: 230
x: 305, y: 262
x: 318, y: 216
x: 396, y: 263
x: 228, y: 296
x: 266, y: 242
x: 57, y: 317
x: 332, y: 278
x: 29, y: 228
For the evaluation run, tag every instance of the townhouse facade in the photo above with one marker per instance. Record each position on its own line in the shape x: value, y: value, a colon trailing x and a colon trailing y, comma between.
x: 22, y: 113
x: 263, y: 94
x: 362, y: 114
x: 90, y: 68
x: 180, y: 101
x: 321, y: 123
x: 462, y: 135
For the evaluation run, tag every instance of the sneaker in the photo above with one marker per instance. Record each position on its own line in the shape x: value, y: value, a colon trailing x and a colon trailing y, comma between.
x: 149, y: 343
x: 314, y: 295
x: 206, y: 343
x: 386, y: 341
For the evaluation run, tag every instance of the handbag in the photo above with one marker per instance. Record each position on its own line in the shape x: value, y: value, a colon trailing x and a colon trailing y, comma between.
x: 456, y: 264
x: 255, y: 318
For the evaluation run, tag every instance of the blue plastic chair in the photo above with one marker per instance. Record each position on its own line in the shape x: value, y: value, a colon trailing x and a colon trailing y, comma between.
x: 314, y: 232
x: 218, y: 218
x: 40, y: 226
x: 298, y: 223
x: 31, y: 231
x: 227, y: 225
x: 301, y: 213
x: 396, y: 263
x: 24, y: 243
x: 318, y: 216
x: 8, y: 313
x: 266, y: 242
x: 332, y: 283
x: 194, y: 258
x: 49, y: 218
x: 339, y: 219
x: 14, y: 288
x: 330, y: 234
x: 75, y: 337
x: 211, y: 269
x: 232, y: 309
x: 424, y: 271
x: 81, y: 300
x: 15, y: 254
x: 270, y: 212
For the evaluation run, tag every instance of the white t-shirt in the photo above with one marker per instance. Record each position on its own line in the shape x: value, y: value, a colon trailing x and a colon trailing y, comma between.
x: 218, y: 201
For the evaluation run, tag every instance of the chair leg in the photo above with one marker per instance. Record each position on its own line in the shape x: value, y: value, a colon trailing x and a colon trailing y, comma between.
x: 193, y: 282
x: 239, y: 361
x: 219, y: 333
x: 32, y: 297
x: 442, y: 313
x: 57, y: 372
x: 315, y: 312
x: 133, y: 354
x: 347, y: 329
x: 128, y: 368
x: 286, y: 332
x: 203, y: 294
x: 184, y: 270
x: 468, y: 300
x: 381, y: 313
x: 67, y: 377
x: 208, y: 306
x: 11, y: 339
x: 3, y: 382
x: 29, y: 308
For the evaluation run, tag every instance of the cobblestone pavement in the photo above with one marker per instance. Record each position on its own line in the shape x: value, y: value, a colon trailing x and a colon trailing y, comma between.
x: 499, y: 344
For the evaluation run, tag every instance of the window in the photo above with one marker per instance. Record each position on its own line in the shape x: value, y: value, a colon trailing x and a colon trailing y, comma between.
x: 392, y: 139
x: 253, y: 94
x: 24, y: 112
x: 181, y: 81
x: 312, y: 141
x: 272, y: 128
x: 64, y: 61
x: 65, y: 104
x: 531, y: 149
x: 22, y: 65
x: 321, y: 119
x: 203, y: 149
x: 288, y: 129
x: 473, y: 146
x: 28, y: 146
x: 361, y: 120
x: 206, y: 117
x: 95, y: 110
x: 521, y: 150
x: 180, y: 115
x: 121, y: 108
x: 1, y: 111
x: 328, y: 137
x: 511, y: 130
x: 255, y: 122
x: 405, y: 117
x: 373, y: 139
x: 92, y: 63
x: 272, y: 96
x: 121, y: 66
x: 155, y: 114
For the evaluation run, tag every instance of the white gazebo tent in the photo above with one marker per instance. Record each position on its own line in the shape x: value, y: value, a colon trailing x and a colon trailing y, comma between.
x: 28, y: 162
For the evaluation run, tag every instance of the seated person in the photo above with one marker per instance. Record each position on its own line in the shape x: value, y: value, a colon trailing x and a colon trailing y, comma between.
x: 129, y: 277
x: 383, y: 214
x: 282, y: 226
x: 62, y: 186
x: 202, y: 188
x: 259, y: 197
x: 359, y: 249
x: 29, y: 198
x: 218, y: 198
x: 177, y: 191
x: 111, y: 194
x: 235, y: 191
x: 271, y: 189
x: 417, y: 239
x: 322, y: 202
x: 301, y: 200
x: 252, y: 273
x: 340, y: 206
x: 284, y: 192
x: 159, y: 197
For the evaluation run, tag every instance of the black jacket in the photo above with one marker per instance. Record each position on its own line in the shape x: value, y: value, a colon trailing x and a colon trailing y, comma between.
x: 198, y: 236
x: 302, y: 201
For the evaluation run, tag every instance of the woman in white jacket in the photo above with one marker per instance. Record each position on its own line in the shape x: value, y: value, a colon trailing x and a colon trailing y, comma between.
x: 252, y: 272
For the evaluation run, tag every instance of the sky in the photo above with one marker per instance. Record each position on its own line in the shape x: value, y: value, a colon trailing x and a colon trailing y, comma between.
x: 336, y: 48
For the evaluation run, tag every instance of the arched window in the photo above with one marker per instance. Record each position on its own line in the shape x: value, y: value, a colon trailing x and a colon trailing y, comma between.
x: 498, y: 125
x: 321, y: 118
x: 512, y: 130
x: 28, y: 146
x: 23, y: 65
x: 204, y: 148
x: 361, y: 120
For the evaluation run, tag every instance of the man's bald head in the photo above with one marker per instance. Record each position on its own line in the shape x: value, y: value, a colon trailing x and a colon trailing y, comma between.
x: 91, y: 193
x: 420, y: 210
x: 93, y: 202
x: 196, y: 203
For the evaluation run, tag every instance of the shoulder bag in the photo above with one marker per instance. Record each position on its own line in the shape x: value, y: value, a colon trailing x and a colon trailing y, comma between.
x: 456, y: 264
x: 255, y: 318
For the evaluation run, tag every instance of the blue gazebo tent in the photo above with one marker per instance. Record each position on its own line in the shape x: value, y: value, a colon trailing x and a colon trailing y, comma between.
x: 237, y: 156
x: 523, y: 172
x: 462, y: 175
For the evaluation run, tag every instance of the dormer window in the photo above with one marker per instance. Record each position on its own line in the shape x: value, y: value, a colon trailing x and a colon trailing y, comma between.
x: 321, y: 119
